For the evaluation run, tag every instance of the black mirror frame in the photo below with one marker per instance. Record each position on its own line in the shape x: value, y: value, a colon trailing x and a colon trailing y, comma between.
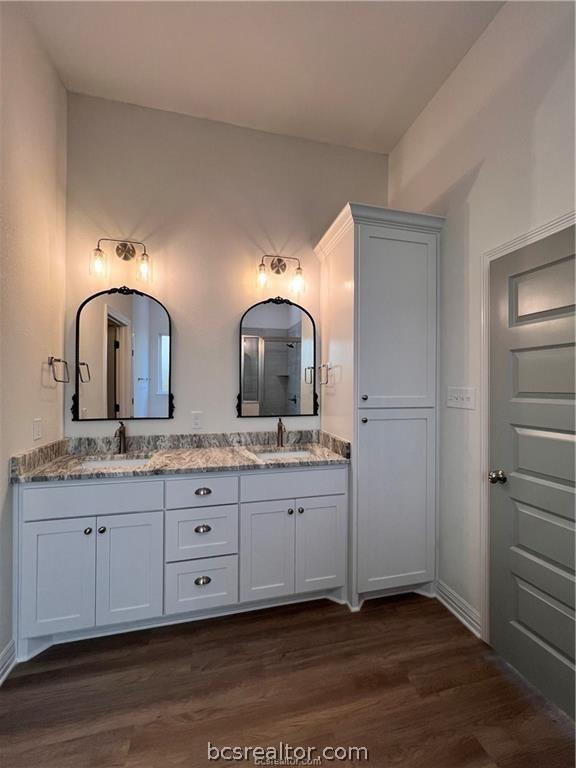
x: 277, y: 300
x: 125, y: 291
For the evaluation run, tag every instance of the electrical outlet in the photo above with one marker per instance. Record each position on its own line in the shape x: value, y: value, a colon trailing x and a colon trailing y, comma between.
x: 196, y: 420
x: 461, y: 397
x: 37, y: 429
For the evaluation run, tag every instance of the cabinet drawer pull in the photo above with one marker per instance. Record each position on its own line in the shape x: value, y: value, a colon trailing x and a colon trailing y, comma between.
x: 364, y: 397
x: 202, y: 581
x: 290, y: 511
x: 102, y: 529
x: 204, y: 528
x: 203, y: 491
x: 364, y: 420
x: 301, y: 510
x: 87, y: 531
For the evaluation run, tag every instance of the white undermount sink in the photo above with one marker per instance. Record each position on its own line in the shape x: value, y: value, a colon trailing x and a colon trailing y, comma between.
x: 115, y: 462
x: 280, y: 454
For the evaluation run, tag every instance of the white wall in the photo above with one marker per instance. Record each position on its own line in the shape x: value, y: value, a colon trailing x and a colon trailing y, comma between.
x: 208, y: 199
x: 32, y: 238
x: 494, y: 152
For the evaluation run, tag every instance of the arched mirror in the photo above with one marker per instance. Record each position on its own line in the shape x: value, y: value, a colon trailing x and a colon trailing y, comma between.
x: 123, y: 357
x: 277, y: 361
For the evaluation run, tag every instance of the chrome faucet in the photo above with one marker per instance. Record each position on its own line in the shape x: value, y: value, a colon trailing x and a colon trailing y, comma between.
x: 121, y: 435
x: 280, y: 432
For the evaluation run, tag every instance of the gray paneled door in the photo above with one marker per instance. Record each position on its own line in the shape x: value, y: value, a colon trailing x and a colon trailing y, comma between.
x: 532, y: 442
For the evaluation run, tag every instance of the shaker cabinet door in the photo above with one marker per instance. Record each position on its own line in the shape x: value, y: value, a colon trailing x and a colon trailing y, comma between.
x: 58, y: 576
x: 130, y: 567
x: 395, y: 498
x: 267, y: 550
x: 320, y: 543
x: 396, y: 334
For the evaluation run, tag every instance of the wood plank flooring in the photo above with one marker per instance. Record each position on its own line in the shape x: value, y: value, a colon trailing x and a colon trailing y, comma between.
x: 403, y: 677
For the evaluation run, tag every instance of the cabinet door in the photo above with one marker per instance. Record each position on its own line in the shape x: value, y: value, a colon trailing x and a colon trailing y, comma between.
x: 267, y: 550
x: 58, y: 576
x: 395, y: 498
x: 129, y: 567
x: 320, y: 543
x: 396, y: 318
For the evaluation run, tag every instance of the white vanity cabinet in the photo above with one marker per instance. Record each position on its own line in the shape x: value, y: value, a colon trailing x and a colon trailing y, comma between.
x: 90, y: 571
x: 292, y: 546
x: 378, y: 374
x: 99, y: 556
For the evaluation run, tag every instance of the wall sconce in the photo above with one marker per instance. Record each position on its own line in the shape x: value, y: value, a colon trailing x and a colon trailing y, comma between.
x: 278, y: 266
x: 125, y: 250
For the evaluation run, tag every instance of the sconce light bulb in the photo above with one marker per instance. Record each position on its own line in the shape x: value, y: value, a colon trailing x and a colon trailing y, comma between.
x: 144, y: 268
x: 298, y: 281
x: 262, y: 276
x: 97, y: 262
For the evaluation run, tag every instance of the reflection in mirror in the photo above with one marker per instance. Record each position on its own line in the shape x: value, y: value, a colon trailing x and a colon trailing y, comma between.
x: 277, y: 361
x: 123, y: 357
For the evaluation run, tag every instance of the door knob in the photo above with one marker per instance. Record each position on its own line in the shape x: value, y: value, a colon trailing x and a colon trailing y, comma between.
x: 497, y: 476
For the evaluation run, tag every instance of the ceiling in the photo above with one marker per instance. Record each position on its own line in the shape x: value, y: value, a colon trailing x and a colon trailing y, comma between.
x: 350, y: 73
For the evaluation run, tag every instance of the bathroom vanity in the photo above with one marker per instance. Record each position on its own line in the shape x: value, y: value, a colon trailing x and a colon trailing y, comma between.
x: 179, y: 535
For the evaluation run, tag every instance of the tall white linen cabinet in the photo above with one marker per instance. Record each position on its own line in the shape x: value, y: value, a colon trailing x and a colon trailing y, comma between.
x: 378, y: 379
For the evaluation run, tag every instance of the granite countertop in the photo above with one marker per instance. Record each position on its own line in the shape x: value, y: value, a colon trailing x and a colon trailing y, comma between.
x: 180, y: 462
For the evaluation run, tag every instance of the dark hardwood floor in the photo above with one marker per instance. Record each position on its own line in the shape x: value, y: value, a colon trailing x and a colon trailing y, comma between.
x: 402, y: 677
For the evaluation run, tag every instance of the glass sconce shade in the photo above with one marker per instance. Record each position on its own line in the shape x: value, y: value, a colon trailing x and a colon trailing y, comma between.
x: 298, y: 281
x: 144, y: 268
x: 262, y: 275
x: 98, y: 263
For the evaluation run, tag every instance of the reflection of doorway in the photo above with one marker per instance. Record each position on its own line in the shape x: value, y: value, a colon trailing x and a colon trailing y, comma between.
x: 118, y: 365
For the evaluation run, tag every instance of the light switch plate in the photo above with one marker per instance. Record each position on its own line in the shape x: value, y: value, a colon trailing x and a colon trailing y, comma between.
x: 461, y: 397
x: 196, y: 419
x: 37, y: 429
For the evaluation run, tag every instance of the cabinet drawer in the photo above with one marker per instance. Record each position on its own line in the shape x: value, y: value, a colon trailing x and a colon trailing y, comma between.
x: 290, y: 485
x: 193, y: 533
x: 201, y: 492
x: 92, y: 499
x: 197, y: 585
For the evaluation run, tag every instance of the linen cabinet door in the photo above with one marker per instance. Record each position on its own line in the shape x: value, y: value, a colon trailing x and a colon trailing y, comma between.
x: 396, y: 318
x: 395, y: 498
x: 320, y: 543
x: 58, y: 576
x: 266, y: 550
x: 130, y: 567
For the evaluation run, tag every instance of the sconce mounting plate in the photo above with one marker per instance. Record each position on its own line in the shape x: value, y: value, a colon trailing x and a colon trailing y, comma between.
x: 125, y: 251
x: 278, y: 265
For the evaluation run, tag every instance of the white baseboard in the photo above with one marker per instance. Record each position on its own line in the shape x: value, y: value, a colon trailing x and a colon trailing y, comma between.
x: 462, y: 609
x: 7, y: 660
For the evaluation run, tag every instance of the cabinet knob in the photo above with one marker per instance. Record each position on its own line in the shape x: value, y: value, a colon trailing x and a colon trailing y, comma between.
x: 202, y: 581
x: 364, y: 420
x: 497, y: 476
x: 102, y: 529
x: 301, y: 510
x: 203, y: 491
x: 290, y: 511
x: 204, y: 528
x: 364, y: 397
x: 87, y: 531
